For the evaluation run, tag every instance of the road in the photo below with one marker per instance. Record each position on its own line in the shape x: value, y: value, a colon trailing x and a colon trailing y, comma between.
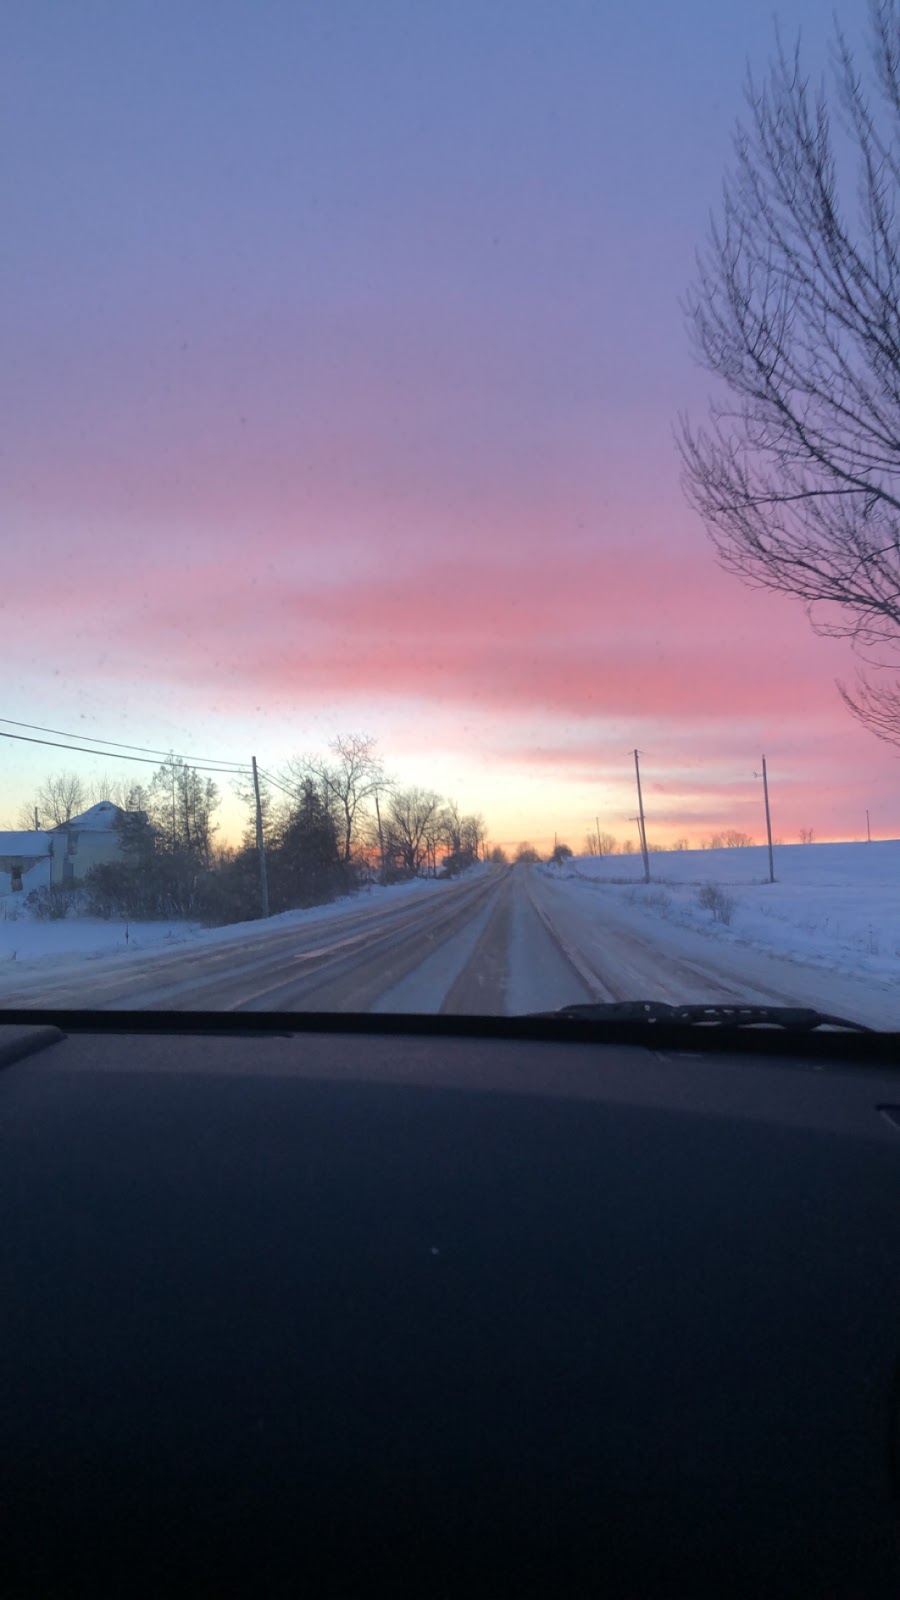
x: 504, y: 941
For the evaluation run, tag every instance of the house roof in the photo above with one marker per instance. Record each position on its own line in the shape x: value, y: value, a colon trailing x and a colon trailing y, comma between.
x: 32, y: 843
x: 97, y: 819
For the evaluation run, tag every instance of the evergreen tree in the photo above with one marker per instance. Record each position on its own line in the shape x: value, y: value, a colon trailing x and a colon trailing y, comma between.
x: 307, y: 865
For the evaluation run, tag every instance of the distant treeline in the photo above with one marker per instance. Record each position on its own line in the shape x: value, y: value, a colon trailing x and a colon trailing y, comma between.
x: 328, y: 826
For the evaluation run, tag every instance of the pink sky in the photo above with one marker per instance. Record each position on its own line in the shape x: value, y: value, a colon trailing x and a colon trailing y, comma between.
x: 341, y: 396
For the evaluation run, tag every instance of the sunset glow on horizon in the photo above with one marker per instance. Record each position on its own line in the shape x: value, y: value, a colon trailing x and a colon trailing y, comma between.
x: 342, y: 355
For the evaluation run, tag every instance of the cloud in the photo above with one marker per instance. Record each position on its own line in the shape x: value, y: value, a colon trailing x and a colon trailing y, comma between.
x: 483, y: 634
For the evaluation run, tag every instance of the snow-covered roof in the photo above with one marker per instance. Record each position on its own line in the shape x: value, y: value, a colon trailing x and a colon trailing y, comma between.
x: 97, y: 819
x: 32, y: 843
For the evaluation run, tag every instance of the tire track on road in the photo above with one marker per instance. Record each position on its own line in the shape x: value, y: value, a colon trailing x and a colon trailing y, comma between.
x: 597, y: 989
x: 640, y: 968
x: 481, y: 987
x: 355, y: 981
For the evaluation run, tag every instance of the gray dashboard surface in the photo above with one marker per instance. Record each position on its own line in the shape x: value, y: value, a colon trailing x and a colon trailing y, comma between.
x: 455, y: 1316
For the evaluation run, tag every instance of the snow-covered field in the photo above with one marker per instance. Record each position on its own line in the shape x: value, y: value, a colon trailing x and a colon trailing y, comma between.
x: 24, y: 937
x: 832, y: 905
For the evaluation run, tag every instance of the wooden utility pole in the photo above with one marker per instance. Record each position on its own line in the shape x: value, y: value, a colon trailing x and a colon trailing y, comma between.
x: 768, y: 821
x: 644, y: 851
x: 260, y: 846
x: 37, y: 826
x: 380, y: 834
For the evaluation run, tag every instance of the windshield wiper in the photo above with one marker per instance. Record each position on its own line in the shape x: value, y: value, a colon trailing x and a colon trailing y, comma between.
x: 796, y: 1019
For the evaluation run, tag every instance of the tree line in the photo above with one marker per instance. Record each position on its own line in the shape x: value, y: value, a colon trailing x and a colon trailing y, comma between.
x: 328, y: 824
x: 604, y: 844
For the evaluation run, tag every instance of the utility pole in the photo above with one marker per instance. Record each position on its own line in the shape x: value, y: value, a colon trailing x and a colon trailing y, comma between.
x: 868, y: 829
x: 260, y: 846
x: 172, y: 772
x: 37, y: 826
x: 380, y: 834
x: 644, y: 851
x: 768, y: 821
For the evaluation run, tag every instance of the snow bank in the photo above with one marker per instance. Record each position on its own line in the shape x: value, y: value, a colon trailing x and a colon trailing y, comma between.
x: 832, y: 905
x: 25, y: 938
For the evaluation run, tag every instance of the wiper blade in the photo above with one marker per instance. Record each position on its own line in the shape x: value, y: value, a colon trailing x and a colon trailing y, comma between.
x: 796, y: 1019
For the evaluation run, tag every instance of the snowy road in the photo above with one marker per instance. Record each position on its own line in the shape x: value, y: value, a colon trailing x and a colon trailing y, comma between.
x: 502, y: 942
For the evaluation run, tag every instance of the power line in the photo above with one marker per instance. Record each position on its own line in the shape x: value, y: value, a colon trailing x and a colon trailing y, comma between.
x: 115, y: 755
x: 208, y: 762
x: 291, y: 793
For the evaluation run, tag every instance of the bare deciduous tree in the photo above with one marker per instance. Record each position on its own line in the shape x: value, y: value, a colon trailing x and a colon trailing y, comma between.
x: 806, y: 835
x: 125, y: 793
x: 796, y: 310
x: 730, y: 839
x: 349, y: 780
x: 472, y: 836
x: 60, y: 798
x: 411, y: 813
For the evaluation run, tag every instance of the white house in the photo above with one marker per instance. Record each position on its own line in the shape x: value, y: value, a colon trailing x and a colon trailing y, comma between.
x: 25, y: 861
x: 59, y: 855
x: 84, y: 842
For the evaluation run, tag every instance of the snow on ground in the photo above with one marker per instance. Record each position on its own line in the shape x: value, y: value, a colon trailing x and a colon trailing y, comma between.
x: 24, y: 937
x: 831, y: 905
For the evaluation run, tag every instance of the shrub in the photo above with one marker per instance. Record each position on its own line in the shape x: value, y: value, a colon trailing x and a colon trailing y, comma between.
x: 713, y: 898
x: 53, y: 902
x: 659, y: 900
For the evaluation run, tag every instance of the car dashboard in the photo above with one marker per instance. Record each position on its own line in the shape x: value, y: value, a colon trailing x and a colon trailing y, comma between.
x: 316, y: 1311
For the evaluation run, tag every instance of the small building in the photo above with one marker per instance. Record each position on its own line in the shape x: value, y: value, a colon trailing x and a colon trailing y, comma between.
x: 85, y: 841
x: 25, y: 861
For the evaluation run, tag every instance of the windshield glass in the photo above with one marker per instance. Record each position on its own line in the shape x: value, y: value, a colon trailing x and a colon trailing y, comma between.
x: 439, y: 513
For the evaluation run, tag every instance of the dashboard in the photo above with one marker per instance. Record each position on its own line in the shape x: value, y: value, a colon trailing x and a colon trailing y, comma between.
x: 331, y: 1312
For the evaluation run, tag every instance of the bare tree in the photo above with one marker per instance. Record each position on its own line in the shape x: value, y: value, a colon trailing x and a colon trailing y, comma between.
x: 434, y: 838
x: 60, y: 798
x: 125, y: 793
x: 411, y: 813
x: 796, y: 309
x: 450, y: 827
x: 349, y: 780
x: 608, y: 845
x: 25, y: 818
x: 806, y: 835
x: 181, y: 806
x: 730, y: 839
x: 474, y: 835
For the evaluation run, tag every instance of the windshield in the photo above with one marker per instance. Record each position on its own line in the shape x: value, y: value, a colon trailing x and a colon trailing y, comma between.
x: 447, y: 473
